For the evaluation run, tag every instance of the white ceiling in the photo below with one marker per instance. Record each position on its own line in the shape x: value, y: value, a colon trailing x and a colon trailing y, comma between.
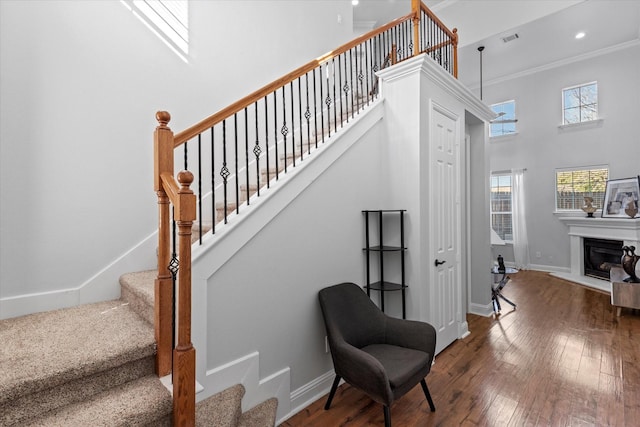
x: 546, y: 30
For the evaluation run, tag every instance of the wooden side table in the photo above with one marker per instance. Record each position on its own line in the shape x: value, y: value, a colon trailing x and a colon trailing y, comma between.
x: 623, y: 294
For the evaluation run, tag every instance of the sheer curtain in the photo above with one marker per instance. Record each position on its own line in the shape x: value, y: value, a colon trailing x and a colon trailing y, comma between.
x: 520, y: 240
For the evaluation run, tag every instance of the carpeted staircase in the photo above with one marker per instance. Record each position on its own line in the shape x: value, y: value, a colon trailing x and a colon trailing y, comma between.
x: 93, y: 365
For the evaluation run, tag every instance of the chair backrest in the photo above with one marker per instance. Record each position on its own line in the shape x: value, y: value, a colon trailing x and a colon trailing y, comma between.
x: 350, y: 315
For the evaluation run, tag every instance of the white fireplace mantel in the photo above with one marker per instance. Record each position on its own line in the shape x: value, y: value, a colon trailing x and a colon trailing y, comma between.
x: 625, y: 229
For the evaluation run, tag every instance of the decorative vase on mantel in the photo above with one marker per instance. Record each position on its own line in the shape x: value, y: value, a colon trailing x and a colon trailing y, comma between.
x: 588, y: 206
x: 631, y: 209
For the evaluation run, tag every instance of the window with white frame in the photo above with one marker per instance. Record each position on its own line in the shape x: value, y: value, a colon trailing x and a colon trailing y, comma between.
x: 168, y: 19
x: 574, y: 184
x: 580, y: 103
x: 505, y: 123
x: 501, y: 205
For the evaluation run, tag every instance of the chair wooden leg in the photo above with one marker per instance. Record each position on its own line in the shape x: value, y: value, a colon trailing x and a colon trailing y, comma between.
x: 423, y: 383
x: 334, y: 387
x: 387, y: 416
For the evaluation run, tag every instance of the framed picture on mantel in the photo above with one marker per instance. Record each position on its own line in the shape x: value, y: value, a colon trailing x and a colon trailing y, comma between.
x: 621, y: 198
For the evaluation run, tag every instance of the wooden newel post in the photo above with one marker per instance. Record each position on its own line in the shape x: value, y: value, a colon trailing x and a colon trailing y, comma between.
x: 455, y: 53
x: 163, y: 309
x: 184, y: 355
x: 415, y: 8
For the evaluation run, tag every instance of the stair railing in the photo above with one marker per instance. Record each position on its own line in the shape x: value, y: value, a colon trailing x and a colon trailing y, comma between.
x: 247, y: 146
x: 434, y: 38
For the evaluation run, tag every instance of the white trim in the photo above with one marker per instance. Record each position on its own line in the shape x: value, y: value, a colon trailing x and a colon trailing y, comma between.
x: 246, y: 370
x: 589, y: 124
x: 481, y: 310
x: 438, y: 75
x: 102, y: 286
x: 503, y: 138
x: 309, y: 393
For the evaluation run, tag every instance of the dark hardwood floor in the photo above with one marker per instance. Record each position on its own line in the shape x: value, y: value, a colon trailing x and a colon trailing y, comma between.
x: 562, y: 358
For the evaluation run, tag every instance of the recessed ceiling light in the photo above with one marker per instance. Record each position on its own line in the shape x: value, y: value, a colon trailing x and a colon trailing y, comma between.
x: 354, y: 2
x: 580, y: 35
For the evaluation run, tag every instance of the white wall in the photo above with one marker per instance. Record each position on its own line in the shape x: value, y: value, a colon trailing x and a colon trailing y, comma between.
x: 315, y: 242
x: 541, y: 146
x: 80, y: 84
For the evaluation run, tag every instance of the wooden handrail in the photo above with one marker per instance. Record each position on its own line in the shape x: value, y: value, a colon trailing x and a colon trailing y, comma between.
x: 182, y: 137
x: 437, y: 21
x: 438, y: 46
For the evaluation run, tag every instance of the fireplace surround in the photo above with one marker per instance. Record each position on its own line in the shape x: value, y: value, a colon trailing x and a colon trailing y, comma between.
x: 626, y: 230
x: 599, y: 256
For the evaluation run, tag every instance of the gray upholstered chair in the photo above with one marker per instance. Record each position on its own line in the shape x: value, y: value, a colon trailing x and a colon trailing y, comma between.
x: 380, y: 355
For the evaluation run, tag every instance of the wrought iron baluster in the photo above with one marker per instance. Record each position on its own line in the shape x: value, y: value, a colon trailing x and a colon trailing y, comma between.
x: 351, y: 81
x: 246, y: 154
x: 173, y: 267
x: 300, y: 117
x: 275, y: 130
x: 266, y: 136
x: 224, y: 171
x: 293, y: 128
x: 335, y: 100
x: 322, y: 100
x: 213, y: 183
x: 257, y: 151
x: 186, y: 156
x: 328, y: 102
x: 307, y: 114
x: 360, y: 57
x: 340, y: 88
x: 315, y: 105
x: 284, y: 130
x: 235, y: 155
x: 200, y: 188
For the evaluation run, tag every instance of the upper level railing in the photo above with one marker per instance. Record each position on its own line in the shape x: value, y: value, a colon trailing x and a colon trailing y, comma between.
x: 239, y: 152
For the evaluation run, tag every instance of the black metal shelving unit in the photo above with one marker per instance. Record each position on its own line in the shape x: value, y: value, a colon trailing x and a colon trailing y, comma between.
x: 382, y: 250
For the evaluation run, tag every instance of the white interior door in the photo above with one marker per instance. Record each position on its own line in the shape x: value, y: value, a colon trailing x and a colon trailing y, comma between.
x: 445, y: 225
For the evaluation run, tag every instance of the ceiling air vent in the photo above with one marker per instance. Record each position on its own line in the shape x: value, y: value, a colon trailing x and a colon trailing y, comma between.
x: 511, y: 37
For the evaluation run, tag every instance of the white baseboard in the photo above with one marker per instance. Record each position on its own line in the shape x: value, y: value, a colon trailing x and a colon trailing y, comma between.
x: 481, y: 310
x: 309, y: 393
x: 549, y: 268
x: 102, y: 286
x: 463, y: 330
x: 246, y: 371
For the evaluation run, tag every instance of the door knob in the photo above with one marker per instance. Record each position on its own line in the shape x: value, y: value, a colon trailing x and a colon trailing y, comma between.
x: 437, y: 263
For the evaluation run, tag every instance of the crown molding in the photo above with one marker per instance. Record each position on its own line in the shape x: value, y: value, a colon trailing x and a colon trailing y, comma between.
x: 551, y: 65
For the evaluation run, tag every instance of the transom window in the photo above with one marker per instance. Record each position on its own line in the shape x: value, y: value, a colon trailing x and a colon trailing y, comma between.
x: 580, y: 103
x: 505, y: 124
x: 168, y: 19
x: 501, y: 205
x: 573, y: 185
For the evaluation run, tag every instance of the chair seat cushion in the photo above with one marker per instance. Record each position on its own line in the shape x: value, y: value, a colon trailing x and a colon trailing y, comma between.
x: 400, y: 363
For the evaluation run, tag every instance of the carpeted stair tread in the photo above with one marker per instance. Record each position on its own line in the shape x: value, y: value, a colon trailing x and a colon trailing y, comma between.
x: 222, y: 409
x: 143, y: 402
x: 138, y: 289
x: 262, y: 415
x: 44, y: 350
x: 24, y: 408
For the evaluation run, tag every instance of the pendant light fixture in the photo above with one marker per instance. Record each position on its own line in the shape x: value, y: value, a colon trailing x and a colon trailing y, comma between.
x: 480, y: 49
